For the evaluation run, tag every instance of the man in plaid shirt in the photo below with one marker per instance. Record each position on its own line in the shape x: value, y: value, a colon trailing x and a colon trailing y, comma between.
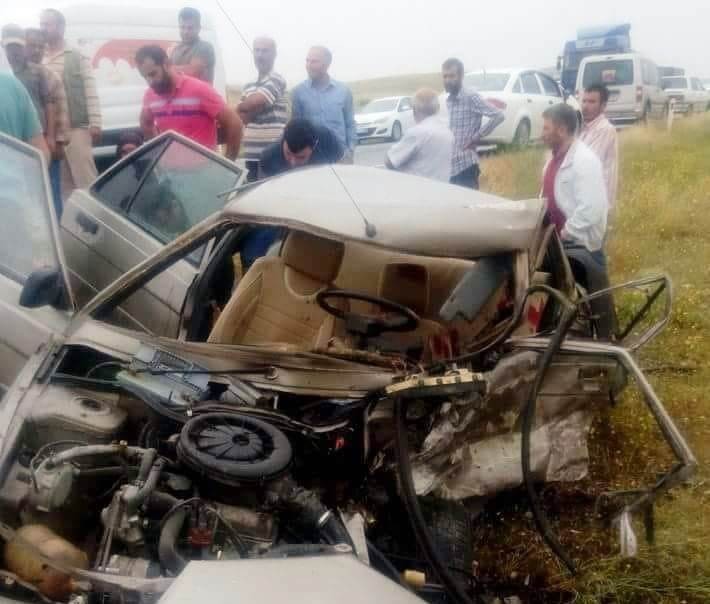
x: 466, y: 112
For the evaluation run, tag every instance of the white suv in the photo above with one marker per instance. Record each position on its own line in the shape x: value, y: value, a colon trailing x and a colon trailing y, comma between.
x: 688, y: 94
x: 635, y: 92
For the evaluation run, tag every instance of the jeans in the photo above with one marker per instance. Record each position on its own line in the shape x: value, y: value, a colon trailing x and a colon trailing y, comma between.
x: 590, y: 270
x: 252, y: 170
x: 467, y: 178
x: 55, y: 177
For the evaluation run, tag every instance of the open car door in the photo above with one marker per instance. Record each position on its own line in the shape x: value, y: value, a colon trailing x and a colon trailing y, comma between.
x: 132, y: 210
x: 32, y: 267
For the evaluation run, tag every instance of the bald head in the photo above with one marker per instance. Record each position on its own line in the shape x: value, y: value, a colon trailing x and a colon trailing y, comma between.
x: 426, y: 103
x: 264, y: 54
x: 317, y: 63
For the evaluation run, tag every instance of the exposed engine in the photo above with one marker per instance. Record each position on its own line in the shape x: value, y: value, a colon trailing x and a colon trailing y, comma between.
x: 117, y: 474
x: 163, y: 468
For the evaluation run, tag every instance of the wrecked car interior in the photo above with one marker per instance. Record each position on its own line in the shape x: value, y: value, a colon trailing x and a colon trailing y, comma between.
x: 346, y: 394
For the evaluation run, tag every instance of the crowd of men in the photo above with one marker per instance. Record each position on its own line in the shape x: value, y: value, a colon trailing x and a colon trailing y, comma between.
x: 52, y: 103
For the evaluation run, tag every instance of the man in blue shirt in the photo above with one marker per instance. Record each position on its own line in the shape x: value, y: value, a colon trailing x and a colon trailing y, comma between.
x: 326, y: 102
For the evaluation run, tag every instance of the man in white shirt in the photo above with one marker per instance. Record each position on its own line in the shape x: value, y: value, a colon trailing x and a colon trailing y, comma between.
x: 600, y: 136
x: 427, y: 148
x: 574, y: 187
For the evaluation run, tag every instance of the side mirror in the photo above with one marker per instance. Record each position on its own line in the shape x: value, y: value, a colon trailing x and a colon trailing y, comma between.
x: 44, y: 287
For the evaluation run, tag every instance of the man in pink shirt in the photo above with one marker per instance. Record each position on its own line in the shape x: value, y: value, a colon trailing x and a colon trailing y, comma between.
x: 600, y: 136
x: 184, y: 104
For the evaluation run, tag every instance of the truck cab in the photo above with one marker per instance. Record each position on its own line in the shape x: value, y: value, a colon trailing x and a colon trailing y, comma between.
x: 591, y: 41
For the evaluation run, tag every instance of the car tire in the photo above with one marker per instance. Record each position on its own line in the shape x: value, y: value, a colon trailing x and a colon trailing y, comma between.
x: 396, y: 134
x: 522, y: 134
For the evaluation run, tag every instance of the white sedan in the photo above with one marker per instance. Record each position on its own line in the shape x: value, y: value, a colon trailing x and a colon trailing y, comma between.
x: 386, y: 118
x: 523, y: 95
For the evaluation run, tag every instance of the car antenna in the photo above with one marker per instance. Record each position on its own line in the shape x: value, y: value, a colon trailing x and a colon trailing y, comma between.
x: 370, y: 229
x: 234, y: 25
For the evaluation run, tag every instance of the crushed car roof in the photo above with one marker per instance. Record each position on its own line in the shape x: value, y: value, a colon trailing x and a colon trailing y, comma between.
x: 390, y: 209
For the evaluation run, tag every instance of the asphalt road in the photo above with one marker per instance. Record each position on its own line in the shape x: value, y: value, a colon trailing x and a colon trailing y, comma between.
x: 371, y: 153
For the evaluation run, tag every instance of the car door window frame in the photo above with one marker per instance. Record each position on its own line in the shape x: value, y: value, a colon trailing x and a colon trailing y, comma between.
x: 402, y: 102
x: 534, y: 79
x: 49, y: 214
x: 545, y: 78
x: 517, y: 87
x: 165, y: 140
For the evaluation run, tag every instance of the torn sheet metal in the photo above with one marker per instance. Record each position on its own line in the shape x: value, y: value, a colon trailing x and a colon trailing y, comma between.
x: 474, y: 445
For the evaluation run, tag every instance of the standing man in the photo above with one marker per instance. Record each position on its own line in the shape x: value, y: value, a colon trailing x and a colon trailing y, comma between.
x: 193, y: 56
x: 185, y: 104
x: 427, y: 148
x: 34, y: 48
x: 74, y: 69
x: 573, y: 185
x: 326, y: 102
x: 34, y: 80
x: 600, y: 136
x: 264, y: 106
x: 466, y: 111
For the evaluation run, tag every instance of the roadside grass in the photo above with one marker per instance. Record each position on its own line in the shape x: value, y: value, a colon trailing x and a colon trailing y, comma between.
x: 661, y: 225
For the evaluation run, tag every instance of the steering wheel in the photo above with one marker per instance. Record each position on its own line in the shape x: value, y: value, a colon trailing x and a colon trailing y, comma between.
x: 368, y: 326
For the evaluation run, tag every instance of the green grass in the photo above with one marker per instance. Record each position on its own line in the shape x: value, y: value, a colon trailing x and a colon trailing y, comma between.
x: 662, y: 224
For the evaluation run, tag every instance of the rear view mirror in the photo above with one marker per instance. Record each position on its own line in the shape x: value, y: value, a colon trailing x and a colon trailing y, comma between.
x: 44, y: 287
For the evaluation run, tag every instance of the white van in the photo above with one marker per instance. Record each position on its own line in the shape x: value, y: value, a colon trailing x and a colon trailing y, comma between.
x: 635, y: 92
x: 110, y: 37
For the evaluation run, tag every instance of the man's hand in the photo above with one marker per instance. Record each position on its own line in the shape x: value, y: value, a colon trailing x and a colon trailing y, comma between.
x: 229, y: 121
x: 95, y: 133
x: 473, y: 145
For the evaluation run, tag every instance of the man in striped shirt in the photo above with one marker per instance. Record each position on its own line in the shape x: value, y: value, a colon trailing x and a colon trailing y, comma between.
x: 264, y: 106
x: 600, y: 136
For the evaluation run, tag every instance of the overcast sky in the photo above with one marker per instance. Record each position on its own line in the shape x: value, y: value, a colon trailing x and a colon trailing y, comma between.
x: 372, y: 38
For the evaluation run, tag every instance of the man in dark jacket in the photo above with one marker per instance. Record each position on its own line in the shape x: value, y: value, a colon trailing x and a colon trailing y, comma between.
x: 302, y: 144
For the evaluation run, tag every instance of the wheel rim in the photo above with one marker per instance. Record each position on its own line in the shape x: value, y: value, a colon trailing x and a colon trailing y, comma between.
x: 522, y: 136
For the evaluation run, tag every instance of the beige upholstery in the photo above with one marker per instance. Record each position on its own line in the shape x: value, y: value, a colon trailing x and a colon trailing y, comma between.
x: 409, y: 284
x: 275, y: 302
x: 363, y: 265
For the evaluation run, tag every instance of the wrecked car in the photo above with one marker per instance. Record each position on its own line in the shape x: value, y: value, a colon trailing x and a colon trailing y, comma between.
x: 400, y: 347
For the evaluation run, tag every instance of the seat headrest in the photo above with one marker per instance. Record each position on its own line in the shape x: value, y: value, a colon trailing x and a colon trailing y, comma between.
x: 406, y: 284
x: 314, y: 256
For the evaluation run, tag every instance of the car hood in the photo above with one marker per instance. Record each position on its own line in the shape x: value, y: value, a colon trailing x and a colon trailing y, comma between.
x: 366, y: 118
x: 290, y: 370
